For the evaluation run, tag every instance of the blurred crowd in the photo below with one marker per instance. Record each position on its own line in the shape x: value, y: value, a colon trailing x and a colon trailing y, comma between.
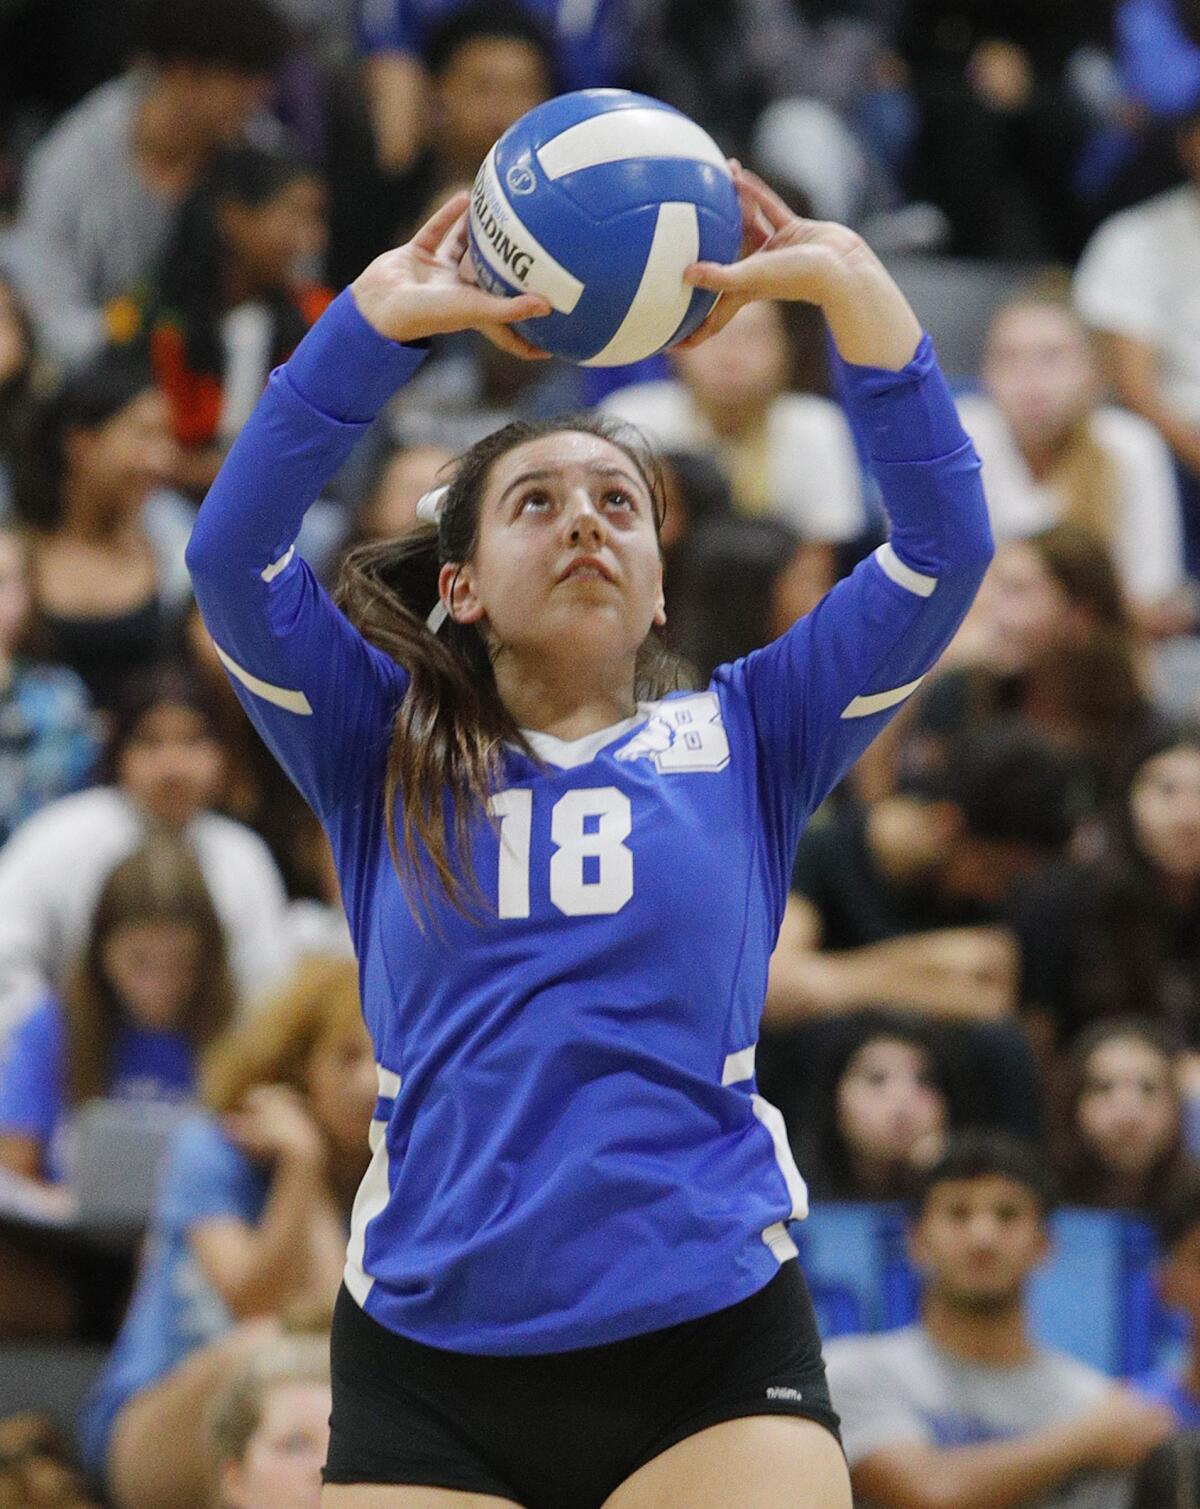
x: 986, y: 994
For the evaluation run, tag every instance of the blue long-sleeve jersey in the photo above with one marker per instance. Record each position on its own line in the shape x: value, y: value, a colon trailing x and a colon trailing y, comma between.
x: 568, y: 1146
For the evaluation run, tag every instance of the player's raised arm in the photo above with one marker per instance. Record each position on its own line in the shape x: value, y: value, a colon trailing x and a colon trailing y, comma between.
x: 822, y: 692
x: 321, y: 696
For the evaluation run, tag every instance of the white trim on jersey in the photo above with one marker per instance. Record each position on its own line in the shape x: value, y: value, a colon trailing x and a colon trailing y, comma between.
x: 282, y: 696
x: 878, y: 702
x: 269, y: 573
x: 903, y: 575
x: 737, y: 1069
x: 373, y: 1193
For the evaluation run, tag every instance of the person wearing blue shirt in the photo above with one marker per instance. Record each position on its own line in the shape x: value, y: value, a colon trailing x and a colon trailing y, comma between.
x: 564, y: 881
x: 1178, y: 1228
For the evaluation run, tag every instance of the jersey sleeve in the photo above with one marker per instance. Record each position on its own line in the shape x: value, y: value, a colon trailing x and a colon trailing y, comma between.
x: 319, y: 694
x: 31, y: 1077
x: 820, y: 693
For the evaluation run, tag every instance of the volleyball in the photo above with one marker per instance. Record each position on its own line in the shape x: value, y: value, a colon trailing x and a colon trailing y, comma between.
x: 598, y: 200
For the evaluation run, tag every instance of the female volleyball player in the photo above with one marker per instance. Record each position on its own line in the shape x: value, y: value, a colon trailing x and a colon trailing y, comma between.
x: 570, y: 1281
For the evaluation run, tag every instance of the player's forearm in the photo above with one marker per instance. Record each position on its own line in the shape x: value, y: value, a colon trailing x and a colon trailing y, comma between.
x: 871, y: 321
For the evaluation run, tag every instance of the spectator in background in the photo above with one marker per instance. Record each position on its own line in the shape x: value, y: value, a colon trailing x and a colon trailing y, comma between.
x: 1001, y: 125
x: 268, y: 1430
x: 16, y: 380
x: 1137, y: 287
x: 231, y: 298
x: 1177, y: 1281
x: 401, y: 476
x: 166, y: 767
x: 148, y: 991
x: 109, y: 579
x: 1049, y: 639
x: 100, y: 191
x: 964, y: 1408
x: 889, y: 1091
x: 1169, y: 1478
x: 1120, y: 933
x: 1053, y: 454
x: 788, y: 455
x: 47, y: 744
x: 251, y: 1219
x: 750, y: 580
x: 1123, y: 1134
x: 483, y: 65
x: 401, y: 43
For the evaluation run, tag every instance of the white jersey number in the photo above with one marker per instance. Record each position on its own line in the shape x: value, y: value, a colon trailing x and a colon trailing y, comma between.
x: 591, y: 869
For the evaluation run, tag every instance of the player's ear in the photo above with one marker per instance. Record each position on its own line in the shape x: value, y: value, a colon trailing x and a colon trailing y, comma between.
x: 660, y: 602
x: 456, y: 588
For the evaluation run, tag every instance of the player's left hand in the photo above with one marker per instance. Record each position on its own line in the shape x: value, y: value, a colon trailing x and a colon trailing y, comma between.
x: 783, y: 256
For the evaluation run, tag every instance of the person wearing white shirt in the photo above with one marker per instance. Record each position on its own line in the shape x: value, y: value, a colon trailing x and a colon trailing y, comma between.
x: 1138, y: 285
x: 1052, y: 453
x: 168, y: 767
x: 790, y: 455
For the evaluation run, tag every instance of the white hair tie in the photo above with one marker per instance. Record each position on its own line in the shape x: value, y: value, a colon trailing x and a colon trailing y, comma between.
x: 437, y: 617
x: 430, y: 505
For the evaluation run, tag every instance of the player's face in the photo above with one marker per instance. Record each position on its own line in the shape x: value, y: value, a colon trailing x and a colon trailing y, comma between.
x: 283, y: 1459
x: 1128, y: 1113
x: 153, y: 968
x: 567, y: 563
x: 1039, y: 370
x: 1165, y: 808
x: 977, y: 1240
x: 888, y: 1108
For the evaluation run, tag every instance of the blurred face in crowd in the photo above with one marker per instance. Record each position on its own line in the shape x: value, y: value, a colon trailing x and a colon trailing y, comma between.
x: 1128, y: 1111
x: 741, y: 369
x: 1038, y: 368
x: 282, y: 239
x: 214, y: 102
x: 153, y: 969
x: 392, y: 508
x: 889, y: 1110
x: 15, y: 600
x: 800, y: 586
x: 114, y: 467
x: 546, y: 503
x: 283, y: 1458
x: 1021, y: 610
x: 14, y: 343
x: 1165, y: 809
x: 342, y: 1087
x: 172, y: 764
x: 977, y: 1241
x: 486, y: 85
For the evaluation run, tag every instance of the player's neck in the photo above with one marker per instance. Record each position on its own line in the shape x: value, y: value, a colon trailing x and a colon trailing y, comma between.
x: 565, y: 701
x: 992, y: 1338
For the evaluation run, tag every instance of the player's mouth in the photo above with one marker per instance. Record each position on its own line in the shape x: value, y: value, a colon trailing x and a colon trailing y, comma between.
x: 585, y: 566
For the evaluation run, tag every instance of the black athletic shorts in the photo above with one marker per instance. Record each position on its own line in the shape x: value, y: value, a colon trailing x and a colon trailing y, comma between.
x: 562, y: 1430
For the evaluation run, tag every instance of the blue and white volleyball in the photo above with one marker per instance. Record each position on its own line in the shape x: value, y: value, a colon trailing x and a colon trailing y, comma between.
x: 598, y: 200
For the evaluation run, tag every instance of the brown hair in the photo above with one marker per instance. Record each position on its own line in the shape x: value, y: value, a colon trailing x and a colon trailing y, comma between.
x: 159, y: 882
x: 236, y: 1412
x: 317, y: 1003
x: 1084, y: 473
x: 444, y: 756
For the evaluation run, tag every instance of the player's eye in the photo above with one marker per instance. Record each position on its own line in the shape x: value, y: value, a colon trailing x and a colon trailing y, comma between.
x: 534, y: 502
x: 617, y: 497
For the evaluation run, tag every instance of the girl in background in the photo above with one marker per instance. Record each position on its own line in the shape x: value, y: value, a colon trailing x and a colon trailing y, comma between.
x: 249, y: 1226
x: 48, y: 745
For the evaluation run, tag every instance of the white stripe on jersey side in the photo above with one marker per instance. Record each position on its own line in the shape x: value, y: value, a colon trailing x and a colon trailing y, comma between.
x: 282, y: 696
x: 662, y: 297
x: 372, y: 1194
x: 876, y: 702
x: 640, y: 131
x: 738, y: 1068
x: 904, y: 576
x: 269, y: 573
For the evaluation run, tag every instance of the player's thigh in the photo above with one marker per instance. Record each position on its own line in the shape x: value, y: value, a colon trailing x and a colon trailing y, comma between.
x: 759, y: 1462
x: 369, y: 1496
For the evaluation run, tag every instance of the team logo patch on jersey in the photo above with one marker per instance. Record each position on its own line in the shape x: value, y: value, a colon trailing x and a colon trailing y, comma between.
x: 684, y: 734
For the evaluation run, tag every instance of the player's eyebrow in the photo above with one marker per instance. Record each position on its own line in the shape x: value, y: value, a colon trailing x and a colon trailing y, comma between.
x: 546, y: 474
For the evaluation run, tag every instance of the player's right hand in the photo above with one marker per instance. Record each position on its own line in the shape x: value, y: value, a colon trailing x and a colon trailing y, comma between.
x: 419, y: 289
